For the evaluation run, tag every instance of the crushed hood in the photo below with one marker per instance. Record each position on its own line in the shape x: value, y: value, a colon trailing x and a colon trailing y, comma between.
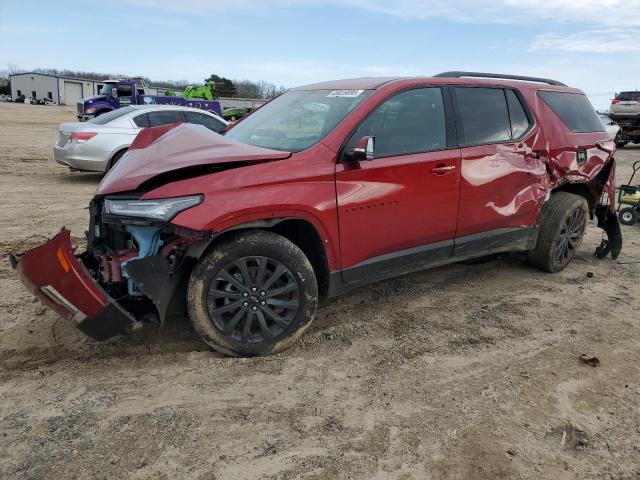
x: 178, y: 148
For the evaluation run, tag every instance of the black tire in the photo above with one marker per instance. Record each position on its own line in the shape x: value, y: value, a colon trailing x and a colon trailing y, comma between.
x: 561, y: 227
x: 628, y: 216
x: 620, y: 145
x: 253, y: 294
x: 115, y: 159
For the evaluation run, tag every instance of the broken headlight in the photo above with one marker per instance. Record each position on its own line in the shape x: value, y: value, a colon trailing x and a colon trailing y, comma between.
x: 157, y: 209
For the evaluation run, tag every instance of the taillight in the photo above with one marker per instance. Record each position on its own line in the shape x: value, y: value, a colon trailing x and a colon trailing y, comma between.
x: 80, y: 137
x: 615, y: 101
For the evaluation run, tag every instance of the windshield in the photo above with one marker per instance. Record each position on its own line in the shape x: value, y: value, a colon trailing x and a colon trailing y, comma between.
x: 107, y: 88
x: 296, y: 120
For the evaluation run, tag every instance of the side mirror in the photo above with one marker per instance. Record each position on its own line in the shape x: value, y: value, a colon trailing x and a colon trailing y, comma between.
x: 363, y: 150
x: 114, y: 93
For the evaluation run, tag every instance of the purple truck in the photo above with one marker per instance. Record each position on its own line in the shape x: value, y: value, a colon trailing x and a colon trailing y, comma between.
x: 132, y: 91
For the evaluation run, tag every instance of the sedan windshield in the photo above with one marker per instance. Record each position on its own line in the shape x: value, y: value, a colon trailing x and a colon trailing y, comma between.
x: 298, y: 119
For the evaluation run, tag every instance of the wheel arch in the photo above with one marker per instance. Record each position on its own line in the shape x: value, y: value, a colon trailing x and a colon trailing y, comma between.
x: 581, y: 190
x: 303, y: 233
x: 116, y: 152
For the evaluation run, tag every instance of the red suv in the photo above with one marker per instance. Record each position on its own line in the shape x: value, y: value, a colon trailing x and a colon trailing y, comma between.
x: 326, y: 188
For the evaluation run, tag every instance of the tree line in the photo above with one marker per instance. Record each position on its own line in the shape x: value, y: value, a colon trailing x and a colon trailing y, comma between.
x: 224, y: 87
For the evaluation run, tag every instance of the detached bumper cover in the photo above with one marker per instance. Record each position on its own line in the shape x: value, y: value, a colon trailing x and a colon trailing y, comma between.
x: 52, y: 273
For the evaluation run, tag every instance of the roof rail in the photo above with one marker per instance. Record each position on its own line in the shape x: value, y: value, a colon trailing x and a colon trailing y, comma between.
x: 456, y: 74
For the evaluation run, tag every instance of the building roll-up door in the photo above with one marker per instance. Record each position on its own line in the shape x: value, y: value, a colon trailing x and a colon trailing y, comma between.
x: 72, y: 92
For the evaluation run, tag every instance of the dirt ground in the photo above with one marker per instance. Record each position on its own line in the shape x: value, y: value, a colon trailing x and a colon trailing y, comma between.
x: 453, y: 373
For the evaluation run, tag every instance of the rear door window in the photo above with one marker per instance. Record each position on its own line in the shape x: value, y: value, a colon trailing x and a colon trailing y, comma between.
x: 575, y: 111
x: 485, y: 116
x: 163, y: 117
x: 203, y: 119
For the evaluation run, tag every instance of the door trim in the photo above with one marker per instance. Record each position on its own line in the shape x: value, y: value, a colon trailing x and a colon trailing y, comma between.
x: 516, y: 239
x: 395, y: 263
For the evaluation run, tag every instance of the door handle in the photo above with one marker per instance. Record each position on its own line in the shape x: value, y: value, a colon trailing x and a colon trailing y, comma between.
x: 443, y: 169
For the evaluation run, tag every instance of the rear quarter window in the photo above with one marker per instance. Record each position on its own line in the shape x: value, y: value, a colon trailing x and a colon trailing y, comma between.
x: 575, y: 111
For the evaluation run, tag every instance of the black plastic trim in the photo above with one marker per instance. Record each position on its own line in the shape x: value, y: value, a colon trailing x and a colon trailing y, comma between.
x: 113, y: 320
x: 402, y: 260
x: 502, y: 76
x: 397, y: 263
x: 516, y: 239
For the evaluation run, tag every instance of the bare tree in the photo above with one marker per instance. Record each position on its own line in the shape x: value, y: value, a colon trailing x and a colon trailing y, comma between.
x: 12, y: 69
x: 259, y: 89
x: 247, y: 89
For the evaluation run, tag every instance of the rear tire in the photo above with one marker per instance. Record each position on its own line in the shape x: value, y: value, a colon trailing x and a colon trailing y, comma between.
x: 115, y: 159
x: 255, y: 293
x: 628, y: 216
x: 564, y: 219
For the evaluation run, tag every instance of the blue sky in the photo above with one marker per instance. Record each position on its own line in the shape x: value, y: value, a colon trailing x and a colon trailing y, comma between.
x: 593, y: 45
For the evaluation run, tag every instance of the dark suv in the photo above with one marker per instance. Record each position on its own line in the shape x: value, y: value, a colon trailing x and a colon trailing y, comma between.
x: 326, y: 188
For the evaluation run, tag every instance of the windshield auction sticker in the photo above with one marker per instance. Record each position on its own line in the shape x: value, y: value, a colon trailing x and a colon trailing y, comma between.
x: 345, y: 93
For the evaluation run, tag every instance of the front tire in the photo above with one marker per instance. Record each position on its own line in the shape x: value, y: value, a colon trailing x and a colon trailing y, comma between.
x: 255, y: 293
x: 561, y: 228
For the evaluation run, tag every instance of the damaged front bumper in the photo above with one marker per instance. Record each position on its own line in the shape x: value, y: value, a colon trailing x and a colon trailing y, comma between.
x: 54, y: 274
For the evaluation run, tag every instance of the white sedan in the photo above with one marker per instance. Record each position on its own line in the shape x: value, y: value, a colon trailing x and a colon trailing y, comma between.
x: 96, y: 145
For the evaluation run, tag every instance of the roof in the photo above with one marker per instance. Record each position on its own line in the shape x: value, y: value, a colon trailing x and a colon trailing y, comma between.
x: 174, y: 107
x: 373, y: 83
x: 363, y: 83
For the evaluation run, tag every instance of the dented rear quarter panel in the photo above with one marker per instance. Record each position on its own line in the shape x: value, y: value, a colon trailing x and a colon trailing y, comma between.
x: 561, y: 145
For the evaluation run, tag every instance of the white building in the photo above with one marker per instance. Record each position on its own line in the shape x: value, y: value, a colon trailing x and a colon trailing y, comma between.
x: 62, y: 90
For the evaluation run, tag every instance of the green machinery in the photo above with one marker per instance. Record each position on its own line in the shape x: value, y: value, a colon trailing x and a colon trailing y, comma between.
x: 629, y: 195
x: 206, y: 91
